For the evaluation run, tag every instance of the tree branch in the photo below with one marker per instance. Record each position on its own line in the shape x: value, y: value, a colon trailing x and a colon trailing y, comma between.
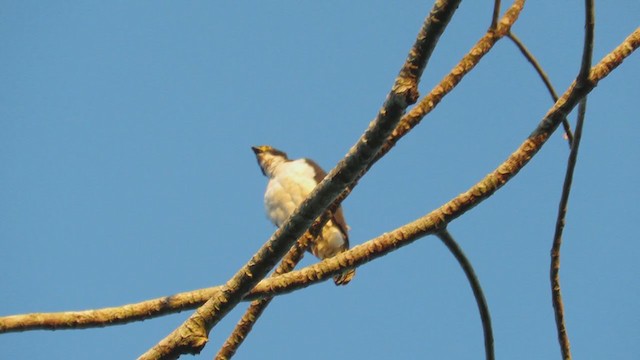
x: 451, y: 80
x: 545, y: 79
x: 429, y: 102
x: 554, y: 273
x: 496, y: 15
x: 582, y: 79
x: 481, y: 301
x: 257, y: 307
x: 587, y: 52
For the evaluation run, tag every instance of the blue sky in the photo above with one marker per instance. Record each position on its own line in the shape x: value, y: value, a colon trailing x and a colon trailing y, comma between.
x: 126, y: 174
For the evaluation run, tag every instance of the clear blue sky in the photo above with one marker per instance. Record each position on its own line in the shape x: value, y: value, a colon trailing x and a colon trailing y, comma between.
x: 126, y: 174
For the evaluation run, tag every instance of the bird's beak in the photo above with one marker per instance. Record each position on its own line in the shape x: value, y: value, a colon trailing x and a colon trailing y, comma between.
x: 261, y: 149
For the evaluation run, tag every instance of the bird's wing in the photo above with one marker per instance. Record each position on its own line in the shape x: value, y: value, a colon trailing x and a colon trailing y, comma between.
x: 338, y: 216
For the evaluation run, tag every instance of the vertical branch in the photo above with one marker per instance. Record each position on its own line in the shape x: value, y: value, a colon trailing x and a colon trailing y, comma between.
x: 582, y: 80
x: 496, y: 15
x: 587, y: 52
x: 556, y: 294
x: 464, y: 262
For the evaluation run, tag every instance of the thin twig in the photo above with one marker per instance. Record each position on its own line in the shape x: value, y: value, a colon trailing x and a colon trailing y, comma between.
x: 587, y: 52
x: 496, y: 15
x: 545, y: 79
x: 481, y: 301
x: 536, y: 65
x: 556, y: 293
x: 554, y: 273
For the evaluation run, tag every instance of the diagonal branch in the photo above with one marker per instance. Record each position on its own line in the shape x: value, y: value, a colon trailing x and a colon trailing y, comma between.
x: 451, y: 80
x: 257, y: 307
x: 466, y: 266
x: 446, y: 85
x: 545, y: 79
x: 192, y: 335
x: 536, y: 65
x: 358, y: 255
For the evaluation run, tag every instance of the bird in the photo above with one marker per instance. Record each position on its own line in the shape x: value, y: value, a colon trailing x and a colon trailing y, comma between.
x: 290, y: 182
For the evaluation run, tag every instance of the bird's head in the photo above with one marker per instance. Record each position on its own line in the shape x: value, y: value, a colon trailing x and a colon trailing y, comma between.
x: 269, y: 158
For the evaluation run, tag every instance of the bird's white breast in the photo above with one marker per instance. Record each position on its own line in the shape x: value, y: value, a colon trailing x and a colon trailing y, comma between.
x: 291, y: 183
x: 289, y: 186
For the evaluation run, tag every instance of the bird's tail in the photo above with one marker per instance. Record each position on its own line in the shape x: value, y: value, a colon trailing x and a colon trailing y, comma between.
x: 345, y: 277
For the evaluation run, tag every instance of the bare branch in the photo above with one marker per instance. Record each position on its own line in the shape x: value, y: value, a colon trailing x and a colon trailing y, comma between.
x: 243, y: 328
x: 468, y: 62
x: 483, y: 308
x: 587, y: 52
x: 108, y: 316
x: 545, y: 79
x: 496, y: 15
x: 429, y: 102
x: 426, y: 41
x: 556, y: 292
x: 536, y: 65
x: 257, y: 307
